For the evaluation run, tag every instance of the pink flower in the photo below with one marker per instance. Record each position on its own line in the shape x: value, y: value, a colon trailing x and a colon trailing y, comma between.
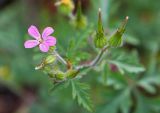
x: 44, y: 41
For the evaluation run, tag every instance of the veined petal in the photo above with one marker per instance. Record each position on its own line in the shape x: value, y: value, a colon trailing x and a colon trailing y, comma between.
x: 47, y: 31
x: 44, y: 47
x: 50, y: 40
x: 33, y: 31
x: 30, y: 43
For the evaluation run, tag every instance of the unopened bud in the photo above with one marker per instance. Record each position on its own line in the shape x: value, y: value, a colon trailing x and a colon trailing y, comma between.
x: 50, y: 59
x: 65, y: 6
x: 80, y: 21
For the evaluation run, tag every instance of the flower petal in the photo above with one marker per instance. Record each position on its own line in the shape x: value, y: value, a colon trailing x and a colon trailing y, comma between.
x: 33, y: 31
x: 47, y: 31
x: 44, y: 47
x: 50, y: 40
x: 30, y: 43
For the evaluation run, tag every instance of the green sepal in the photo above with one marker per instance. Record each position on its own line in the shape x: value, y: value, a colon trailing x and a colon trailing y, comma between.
x: 100, y: 25
x: 71, y: 73
x: 100, y: 40
x: 116, y: 38
x: 60, y: 75
x: 52, y: 48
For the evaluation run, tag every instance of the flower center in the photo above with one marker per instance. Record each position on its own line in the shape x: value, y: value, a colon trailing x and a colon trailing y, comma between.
x: 40, y: 40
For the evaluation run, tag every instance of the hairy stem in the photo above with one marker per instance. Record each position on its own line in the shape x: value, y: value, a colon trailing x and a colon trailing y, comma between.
x: 94, y: 61
x: 84, y: 66
x: 61, y: 59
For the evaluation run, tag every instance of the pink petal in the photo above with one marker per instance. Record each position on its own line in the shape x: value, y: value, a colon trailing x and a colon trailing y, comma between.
x: 46, y: 32
x: 33, y: 31
x: 30, y: 43
x: 44, y: 47
x: 50, y: 40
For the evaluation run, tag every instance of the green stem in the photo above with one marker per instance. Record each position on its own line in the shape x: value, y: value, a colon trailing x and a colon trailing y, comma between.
x: 94, y: 61
x: 61, y: 59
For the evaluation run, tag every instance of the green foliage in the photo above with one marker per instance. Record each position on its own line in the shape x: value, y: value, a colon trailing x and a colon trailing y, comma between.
x: 125, y: 63
x: 125, y: 91
x: 127, y: 67
x: 79, y: 42
x: 80, y: 92
x: 149, y: 82
x: 120, y: 102
x: 132, y: 86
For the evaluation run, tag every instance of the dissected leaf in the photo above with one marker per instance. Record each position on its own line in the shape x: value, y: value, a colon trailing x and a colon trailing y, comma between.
x: 128, y: 67
x: 121, y: 101
x: 127, y: 63
x: 80, y: 92
x: 148, y: 83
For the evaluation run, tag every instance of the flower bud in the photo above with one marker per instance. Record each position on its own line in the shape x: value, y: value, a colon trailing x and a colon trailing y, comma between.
x: 71, y: 73
x: 116, y: 38
x: 65, y: 6
x: 80, y: 21
x: 100, y: 40
x: 50, y: 59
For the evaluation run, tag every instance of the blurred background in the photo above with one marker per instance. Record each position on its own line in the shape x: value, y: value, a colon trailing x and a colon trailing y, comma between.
x: 24, y: 90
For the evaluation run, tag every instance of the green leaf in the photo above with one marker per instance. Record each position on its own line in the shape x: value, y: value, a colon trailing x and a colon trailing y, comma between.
x: 105, y: 72
x: 116, y: 80
x: 132, y: 40
x: 148, y: 83
x: 80, y: 92
x: 142, y: 105
x: 122, y: 102
x: 127, y: 63
x: 128, y: 67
